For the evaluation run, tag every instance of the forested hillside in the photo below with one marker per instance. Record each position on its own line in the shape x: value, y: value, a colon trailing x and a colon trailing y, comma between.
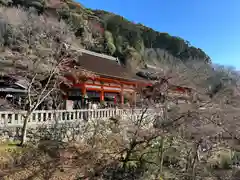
x: 177, y: 141
x: 109, y: 33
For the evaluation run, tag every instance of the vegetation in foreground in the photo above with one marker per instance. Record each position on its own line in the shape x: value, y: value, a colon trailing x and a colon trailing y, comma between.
x: 194, y: 143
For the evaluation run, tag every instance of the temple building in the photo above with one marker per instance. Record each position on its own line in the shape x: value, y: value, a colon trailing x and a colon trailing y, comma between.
x: 172, y: 88
x: 113, y: 82
x: 13, y: 91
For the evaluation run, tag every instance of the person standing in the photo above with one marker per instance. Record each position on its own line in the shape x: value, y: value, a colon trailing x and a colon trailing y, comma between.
x: 94, y: 106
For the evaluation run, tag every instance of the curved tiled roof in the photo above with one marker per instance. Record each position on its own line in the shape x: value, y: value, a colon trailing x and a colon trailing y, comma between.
x: 106, y: 67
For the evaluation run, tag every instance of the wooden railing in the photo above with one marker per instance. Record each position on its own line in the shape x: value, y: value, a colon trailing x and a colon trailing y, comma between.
x: 16, y: 118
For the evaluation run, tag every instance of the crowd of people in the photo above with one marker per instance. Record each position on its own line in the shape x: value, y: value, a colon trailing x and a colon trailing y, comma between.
x: 50, y: 104
x: 88, y: 104
x: 98, y: 105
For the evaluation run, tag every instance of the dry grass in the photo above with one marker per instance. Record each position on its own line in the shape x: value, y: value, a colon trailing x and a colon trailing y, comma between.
x: 49, y: 162
x: 103, y: 145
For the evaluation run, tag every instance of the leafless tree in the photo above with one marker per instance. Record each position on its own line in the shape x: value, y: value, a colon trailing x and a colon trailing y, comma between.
x: 39, y: 50
x: 212, y: 119
x: 152, y: 142
x: 178, y: 142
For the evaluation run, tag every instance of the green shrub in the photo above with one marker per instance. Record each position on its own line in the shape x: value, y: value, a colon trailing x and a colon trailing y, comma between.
x: 111, y: 47
x: 225, y: 162
x: 220, y: 160
x: 108, y: 36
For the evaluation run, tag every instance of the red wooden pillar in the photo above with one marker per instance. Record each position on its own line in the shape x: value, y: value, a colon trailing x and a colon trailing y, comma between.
x: 121, y: 96
x: 102, y: 95
x: 135, y: 94
x: 84, y: 91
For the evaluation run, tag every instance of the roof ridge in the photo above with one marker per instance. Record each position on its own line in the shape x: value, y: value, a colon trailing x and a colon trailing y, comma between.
x: 96, y: 54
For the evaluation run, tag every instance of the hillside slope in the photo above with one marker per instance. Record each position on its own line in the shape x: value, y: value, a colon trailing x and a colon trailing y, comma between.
x: 112, y: 34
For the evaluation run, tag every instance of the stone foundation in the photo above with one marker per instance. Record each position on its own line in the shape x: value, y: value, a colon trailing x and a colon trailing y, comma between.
x: 60, y: 132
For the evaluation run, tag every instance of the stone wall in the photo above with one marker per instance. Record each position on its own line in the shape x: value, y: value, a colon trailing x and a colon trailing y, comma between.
x: 67, y: 130
x: 60, y: 132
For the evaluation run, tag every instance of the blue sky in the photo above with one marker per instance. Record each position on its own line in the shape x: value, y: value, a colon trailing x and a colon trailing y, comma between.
x: 212, y: 25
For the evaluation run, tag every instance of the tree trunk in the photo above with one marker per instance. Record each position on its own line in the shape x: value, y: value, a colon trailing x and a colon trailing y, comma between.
x: 24, y: 130
x: 161, y: 149
x: 195, y: 160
